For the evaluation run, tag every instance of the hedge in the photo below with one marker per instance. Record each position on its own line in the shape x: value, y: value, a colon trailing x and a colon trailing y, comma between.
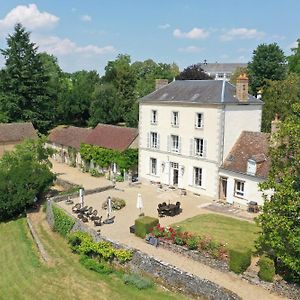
x: 239, y: 260
x: 266, y: 269
x: 144, y: 225
x: 62, y: 222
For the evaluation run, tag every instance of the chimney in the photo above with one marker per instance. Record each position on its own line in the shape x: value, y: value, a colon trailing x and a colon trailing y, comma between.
x: 242, y: 88
x: 159, y: 83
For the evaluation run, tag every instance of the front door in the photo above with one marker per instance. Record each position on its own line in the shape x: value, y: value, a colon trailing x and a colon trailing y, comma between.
x: 175, y: 176
x: 223, y: 188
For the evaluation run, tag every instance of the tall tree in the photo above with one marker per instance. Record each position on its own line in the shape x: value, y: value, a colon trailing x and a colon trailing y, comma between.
x: 268, y: 63
x: 193, y: 72
x: 24, y: 82
x: 280, y: 219
x: 294, y: 59
x: 278, y: 98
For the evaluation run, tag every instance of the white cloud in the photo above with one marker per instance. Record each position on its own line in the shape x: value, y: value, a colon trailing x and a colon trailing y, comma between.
x: 86, y: 18
x: 164, y: 26
x: 29, y: 16
x: 241, y: 33
x: 190, y: 49
x: 195, y: 33
x: 292, y: 45
x: 61, y: 47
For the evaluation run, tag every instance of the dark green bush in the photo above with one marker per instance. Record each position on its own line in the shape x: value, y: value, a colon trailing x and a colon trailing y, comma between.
x: 239, y: 260
x: 144, y: 225
x: 62, y: 222
x: 266, y: 269
x: 94, y: 265
x: 137, y: 281
x: 75, y: 239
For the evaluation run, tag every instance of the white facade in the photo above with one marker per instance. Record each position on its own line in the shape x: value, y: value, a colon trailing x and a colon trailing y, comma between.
x: 199, y: 149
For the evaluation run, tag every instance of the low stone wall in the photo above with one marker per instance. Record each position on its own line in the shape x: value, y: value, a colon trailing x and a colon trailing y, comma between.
x: 64, y: 183
x: 164, y: 273
x: 220, y: 265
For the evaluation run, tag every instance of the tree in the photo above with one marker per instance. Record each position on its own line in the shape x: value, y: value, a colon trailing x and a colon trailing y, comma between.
x: 280, y: 219
x: 294, y: 59
x: 278, y: 98
x: 268, y: 63
x: 239, y: 71
x: 24, y: 174
x: 193, y: 72
x: 105, y: 106
x: 24, y: 82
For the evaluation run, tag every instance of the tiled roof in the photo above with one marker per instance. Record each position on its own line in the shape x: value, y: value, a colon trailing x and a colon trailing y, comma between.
x: 250, y: 145
x: 112, y: 137
x: 14, y: 132
x: 69, y: 136
x: 198, y: 91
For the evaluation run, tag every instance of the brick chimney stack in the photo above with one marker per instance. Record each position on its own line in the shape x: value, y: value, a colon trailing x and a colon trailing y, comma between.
x: 159, y: 83
x: 242, y: 87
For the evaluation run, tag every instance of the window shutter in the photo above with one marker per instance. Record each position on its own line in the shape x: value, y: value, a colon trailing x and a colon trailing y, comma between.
x: 157, y: 167
x: 202, y: 120
x: 204, y: 148
x: 203, y: 179
x: 179, y: 144
x: 178, y: 122
x: 150, y: 166
x: 148, y: 140
x: 169, y: 144
x: 191, y: 176
x: 195, y: 120
x: 158, y: 141
x: 172, y: 123
x: 192, y: 147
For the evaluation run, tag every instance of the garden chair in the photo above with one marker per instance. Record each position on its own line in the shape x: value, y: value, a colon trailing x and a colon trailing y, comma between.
x: 80, y: 216
x: 98, y: 222
x: 76, y: 207
x: 85, y: 219
x: 89, y: 211
x: 110, y: 220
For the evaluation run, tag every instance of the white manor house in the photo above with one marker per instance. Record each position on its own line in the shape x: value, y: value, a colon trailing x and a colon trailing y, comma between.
x: 188, y: 134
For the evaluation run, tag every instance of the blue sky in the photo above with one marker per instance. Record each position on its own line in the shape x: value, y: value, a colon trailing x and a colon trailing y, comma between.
x: 85, y: 34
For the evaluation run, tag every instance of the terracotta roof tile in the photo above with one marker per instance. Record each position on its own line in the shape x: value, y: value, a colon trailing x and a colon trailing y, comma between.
x: 112, y: 137
x: 250, y: 145
x: 69, y: 136
x: 14, y: 132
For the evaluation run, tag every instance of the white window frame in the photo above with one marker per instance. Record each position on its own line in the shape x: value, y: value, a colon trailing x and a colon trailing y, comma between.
x: 197, y: 120
x: 175, y: 119
x: 153, y: 166
x: 239, y: 191
x: 198, y: 182
x: 154, y: 119
x: 153, y: 140
x: 201, y: 146
x: 173, y: 138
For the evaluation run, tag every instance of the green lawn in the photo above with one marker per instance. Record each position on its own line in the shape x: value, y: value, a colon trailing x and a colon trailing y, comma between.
x: 24, y: 276
x: 237, y: 234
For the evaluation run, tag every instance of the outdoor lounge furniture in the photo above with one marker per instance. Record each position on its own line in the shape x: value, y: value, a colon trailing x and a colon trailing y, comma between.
x: 152, y: 240
x: 132, y: 229
x: 94, y: 218
x: 80, y: 216
x: 168, y: 210
x: 83, y: 210
x: 89, y: 211
x: 85, y: 219
x: 109, y: 220
x: 98, y: 222
x: 76, y: 207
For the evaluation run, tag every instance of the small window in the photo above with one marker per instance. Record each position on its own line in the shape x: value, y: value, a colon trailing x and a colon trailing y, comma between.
x: 197, y: 176
x: 153, y: 166
x: 199, y: 147
x: 154, y: 117
x: 251, y: 167
x: 239, y: 188
x: 153, y: 140
x: 175, y: 143
x: 175, y: 118
x: 199, y: 120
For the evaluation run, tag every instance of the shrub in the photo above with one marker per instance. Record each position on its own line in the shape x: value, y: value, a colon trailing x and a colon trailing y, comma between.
x: 119, y: 178
x: 137, y: 281
x: 62, y: 222
x: 75, y: 239
x: 144, y: 225
x: 95, y: 173
x: 178, y: 241
x: 239, y: 260
x: 117, y: 203
x: 192, y: 242
x: 123, y: 255
x: 94, y: 265
x: 266, y: 268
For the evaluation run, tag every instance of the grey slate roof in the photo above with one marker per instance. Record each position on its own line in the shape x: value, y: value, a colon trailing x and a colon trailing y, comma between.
x: 198, y: 91
x: 221, y: 67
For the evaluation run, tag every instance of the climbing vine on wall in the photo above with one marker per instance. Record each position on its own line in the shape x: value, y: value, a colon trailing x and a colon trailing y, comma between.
x: 103, y: 157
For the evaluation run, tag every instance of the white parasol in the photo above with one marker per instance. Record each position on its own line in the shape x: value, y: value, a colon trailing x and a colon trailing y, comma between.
x: 139, y: 202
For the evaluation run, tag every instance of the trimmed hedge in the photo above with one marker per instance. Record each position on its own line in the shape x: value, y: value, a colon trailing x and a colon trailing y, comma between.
x: 144, y: 225
x: 239, y: 260
x: 266, y: 268
x: 62, y: 222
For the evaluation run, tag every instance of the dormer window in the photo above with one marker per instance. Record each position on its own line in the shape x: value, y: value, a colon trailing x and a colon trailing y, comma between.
x: 251, y: 167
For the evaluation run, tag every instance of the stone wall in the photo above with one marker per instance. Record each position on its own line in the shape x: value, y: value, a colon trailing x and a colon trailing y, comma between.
x: 162, y: 272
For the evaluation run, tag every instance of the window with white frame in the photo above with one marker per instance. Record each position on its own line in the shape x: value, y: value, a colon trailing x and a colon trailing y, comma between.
x: 199, y: 120
x: 175, y: 118
x: 153, y: 140
x: 154, y: 117
x: 199, y: 147
x: 239, y: 188
x: 174, y: 143
x: 197, y: 176
x: 153, y: 166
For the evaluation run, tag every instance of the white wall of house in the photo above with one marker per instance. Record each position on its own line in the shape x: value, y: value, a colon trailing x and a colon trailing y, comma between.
x: 239, y: 118
x: 251, y: 189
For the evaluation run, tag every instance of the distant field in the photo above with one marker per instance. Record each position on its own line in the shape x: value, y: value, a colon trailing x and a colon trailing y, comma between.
x: 24, y: 276
x: 236, y: 233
